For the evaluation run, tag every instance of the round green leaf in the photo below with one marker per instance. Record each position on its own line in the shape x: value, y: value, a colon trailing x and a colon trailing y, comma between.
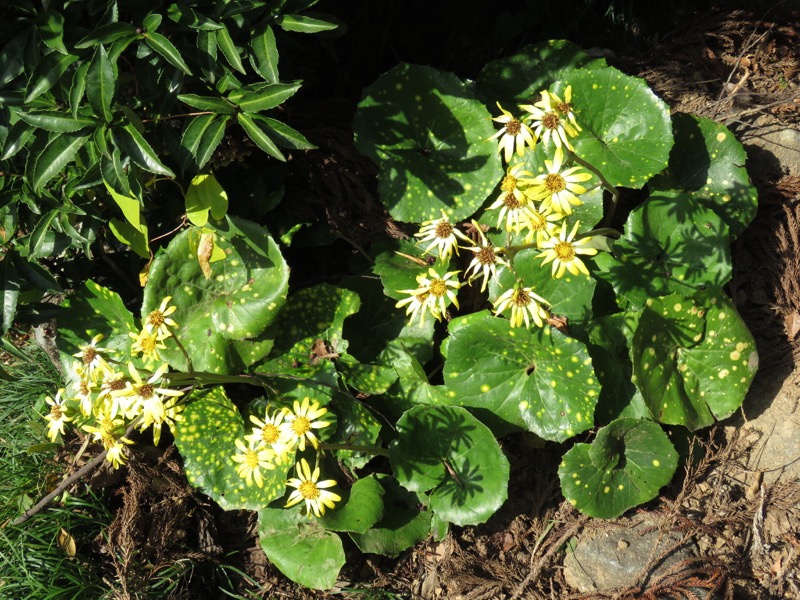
x: 626, y: 465
x: 519, y: 79
x: 206, y: 437
x: 240, y: 298
x: 300, y: 547
x: 403, y: 523
x: 428, y: 134
x: 539, y: 380
x: 446, y: 451
x: 627, y: 133
x: 693, y: 358
x: 362, y: 509
x: 707, y: 163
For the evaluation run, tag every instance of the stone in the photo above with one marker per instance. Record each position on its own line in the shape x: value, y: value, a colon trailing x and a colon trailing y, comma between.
x: 614, y: 557
x: 772, y: 147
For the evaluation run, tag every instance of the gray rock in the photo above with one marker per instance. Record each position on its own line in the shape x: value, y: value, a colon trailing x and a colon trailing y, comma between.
x: 772, y: 146
x: 614, y: 558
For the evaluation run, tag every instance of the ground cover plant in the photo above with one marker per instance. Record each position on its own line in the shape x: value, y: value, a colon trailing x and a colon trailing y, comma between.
x: 526, y: 297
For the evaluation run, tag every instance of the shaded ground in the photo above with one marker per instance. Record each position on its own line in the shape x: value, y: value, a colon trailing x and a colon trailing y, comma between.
x: 739, y: 67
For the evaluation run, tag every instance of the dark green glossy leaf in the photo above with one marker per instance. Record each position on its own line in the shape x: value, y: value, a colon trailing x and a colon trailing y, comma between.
x: 101, y: 84
x: 707, y: 163
x: 51, y: 29
x: 267, y: 97
x: 300, y: 547
x: 229, y: 50
x: 539, y: 380
x: 448, y: 453
x: 189, y: 17
x: 151, y: 23
x: 167, y: 50
x: 362, y: 508
x: 106, y: 34
x: 207, y: 54
x: 38, y: 235
x: 201, y: 138
x: 256, y: 132
x: 11, y: 61
x: 427, y: 132
x: 10, y: 282
x: 141, y: 153
x: 78, y: 88
x: 47, y: 73
x: 283, y: 135
x: 304, y: 24
x: 214, y: 104
x: 265, y: 54
x: 629, y: 461
x: 17, y: 137
x: 55, y: 121
x: 55, y: 157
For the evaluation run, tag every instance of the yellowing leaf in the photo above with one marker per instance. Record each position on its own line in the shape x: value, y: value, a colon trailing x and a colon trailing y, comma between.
x: 204, y: 251
x: 66, y: 542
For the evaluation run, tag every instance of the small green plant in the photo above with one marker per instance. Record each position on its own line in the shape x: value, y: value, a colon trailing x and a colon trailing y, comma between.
x: 579, y: 316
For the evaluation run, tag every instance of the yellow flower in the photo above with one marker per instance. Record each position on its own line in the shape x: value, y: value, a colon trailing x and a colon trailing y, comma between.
x: 158, y: 321
x: 548, y: 123
x: 486, y: 259
x: 443, y: 235
x: 565, y: 107
x: 84, y: 394
x: 252, y: 458
x: 109, y: 432
x: 57, y: 415
x: 563, y: 251
x: 273, y: 432
x: 147, y: 400
x: 541, y: 224
x: 512, y: 201
x: 525, y: 305
x: 309, y: 488
x: 302, y: 421
x: 92, y: 364
x: 515, y: 133
x: 560, y: 188
x: 433, y: 295
x: 147, y: 343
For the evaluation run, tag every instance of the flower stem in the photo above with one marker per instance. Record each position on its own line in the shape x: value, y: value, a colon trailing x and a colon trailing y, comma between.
x: 610, y: 188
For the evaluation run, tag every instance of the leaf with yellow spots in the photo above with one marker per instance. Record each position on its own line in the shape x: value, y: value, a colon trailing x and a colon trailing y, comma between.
x: 625, y: 466
x: 538, y: 380
x: 445, y: 452
x: 206, y: 437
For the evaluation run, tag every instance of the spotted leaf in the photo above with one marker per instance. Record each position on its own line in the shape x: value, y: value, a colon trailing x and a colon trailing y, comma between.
x: 428, y: 133
x: 206, y: 437
x: 236, y: 303
x: 626, y: 465
x: 693, y: 358
x: 707, y: 163
x: 447, y: 453
x: 538, y: 380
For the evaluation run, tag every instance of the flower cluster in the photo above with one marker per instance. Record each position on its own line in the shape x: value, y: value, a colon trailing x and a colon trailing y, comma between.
x: 535, y: 208
x: 273, y: 441
x: 105, y: 396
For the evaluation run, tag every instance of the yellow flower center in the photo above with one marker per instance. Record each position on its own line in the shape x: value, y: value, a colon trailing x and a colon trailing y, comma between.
x: 511, y: 201
x: 513, y: 127
x: 537, y: 221
x: 564, y: 251
x: 145, y: 391
x: 509, y: 184
x: 444, y: 229
x: 83, y: 388
x: 148, y: 344
x: 438, y: 288
x: 564, y: 108
x: 555, y: 183
x: 270, y: 434
x: 486, y: 256
x: 521, y: 298
x: 89, y: 354
x: 56, y: 412
x: 309, y: 490
x: 156, y: 319
x: 301, y: 426
x: 551, y: 121
x: 251, y: 459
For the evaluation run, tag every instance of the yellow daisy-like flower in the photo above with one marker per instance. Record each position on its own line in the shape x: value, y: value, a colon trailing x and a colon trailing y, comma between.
x: 565, y: 107
x: 147, y: 400
x: 57, y: 415
x: 525, y: 304
x: 541, y: 224
x: 485, y: 260
x: 109, y: 432
x: 310, y: 489
x: 148, y: 344
x: 442, y: 235
x: 514, y: 134
x: 158, y: 321
x: 84, y: 394
x: 433, y: 295
x: 274, y: 432
x: 512, y: 201
x: 302, y: 421
x: 252, y: 458
x: 548, y: 123
x: 563, y: 251
x: 91, y: 362
x: 560, y: 188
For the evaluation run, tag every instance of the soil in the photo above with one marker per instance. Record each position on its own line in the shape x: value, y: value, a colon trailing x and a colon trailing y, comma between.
x: 733, y: 65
